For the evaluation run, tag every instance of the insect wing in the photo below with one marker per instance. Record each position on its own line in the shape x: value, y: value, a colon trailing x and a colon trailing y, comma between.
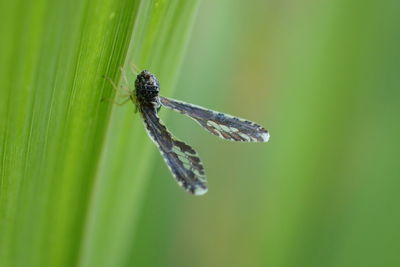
x: 220, y: 124
x: 181, y: 159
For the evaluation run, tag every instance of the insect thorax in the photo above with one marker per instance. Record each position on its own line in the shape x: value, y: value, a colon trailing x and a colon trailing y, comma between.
x: 147, y: 87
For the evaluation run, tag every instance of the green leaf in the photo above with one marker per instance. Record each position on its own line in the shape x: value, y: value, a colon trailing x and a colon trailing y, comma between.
x: 73, y: 166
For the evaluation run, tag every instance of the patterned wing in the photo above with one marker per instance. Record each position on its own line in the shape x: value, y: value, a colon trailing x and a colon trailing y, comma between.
x: 220, y: 124
x: 181, y: 159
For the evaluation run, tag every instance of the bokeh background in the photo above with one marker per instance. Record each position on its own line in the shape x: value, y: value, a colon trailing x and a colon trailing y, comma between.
x: 82, y: 185
x: 323, y: 77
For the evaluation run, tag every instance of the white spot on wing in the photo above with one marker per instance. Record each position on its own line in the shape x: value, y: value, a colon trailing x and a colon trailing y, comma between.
x: 213, y: 124
x: 265, y: 137
x: 200, y: 191
x: 225, y: 128
x: 245, y: 136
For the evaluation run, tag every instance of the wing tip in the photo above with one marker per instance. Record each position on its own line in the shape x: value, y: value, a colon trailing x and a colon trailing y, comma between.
x: 265, y: 136
x: 199, y: 191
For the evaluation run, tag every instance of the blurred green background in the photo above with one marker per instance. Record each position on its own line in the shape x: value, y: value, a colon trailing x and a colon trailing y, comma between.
x: 321, y: 76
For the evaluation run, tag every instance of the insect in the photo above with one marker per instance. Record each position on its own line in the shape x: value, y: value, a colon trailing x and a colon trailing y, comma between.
x: 182, y: 160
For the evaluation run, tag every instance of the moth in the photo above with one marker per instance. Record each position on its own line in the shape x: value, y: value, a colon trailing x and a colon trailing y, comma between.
x: 182, y: 160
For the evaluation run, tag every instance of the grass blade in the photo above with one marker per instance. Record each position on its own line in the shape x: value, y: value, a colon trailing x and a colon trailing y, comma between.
x: 53, y: 124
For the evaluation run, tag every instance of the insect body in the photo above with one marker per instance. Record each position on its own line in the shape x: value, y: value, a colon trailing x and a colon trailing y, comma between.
x: 181, y: 158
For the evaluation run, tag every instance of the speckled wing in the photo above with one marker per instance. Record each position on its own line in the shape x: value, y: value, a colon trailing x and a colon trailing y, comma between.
x: 220, y: 124
x: 181, y: 159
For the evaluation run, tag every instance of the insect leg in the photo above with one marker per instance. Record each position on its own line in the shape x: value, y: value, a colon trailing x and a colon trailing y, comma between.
x: 117, y: 88
x: 116, y: 102
x: 135, y: 70
x: 123, y: 72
